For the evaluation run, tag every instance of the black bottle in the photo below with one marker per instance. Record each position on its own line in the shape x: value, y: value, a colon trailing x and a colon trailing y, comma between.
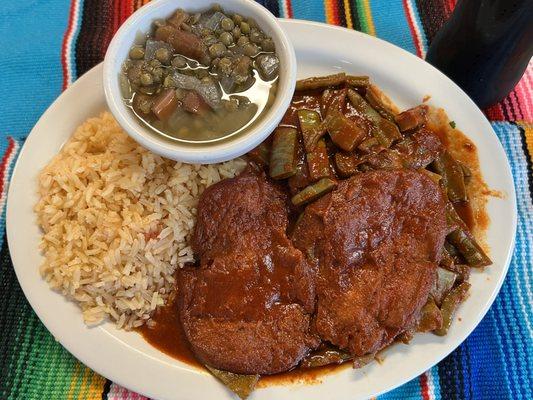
x: 485, y: 47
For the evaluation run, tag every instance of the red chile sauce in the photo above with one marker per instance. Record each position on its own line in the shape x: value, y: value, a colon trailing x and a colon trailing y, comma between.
x: 168, y: 336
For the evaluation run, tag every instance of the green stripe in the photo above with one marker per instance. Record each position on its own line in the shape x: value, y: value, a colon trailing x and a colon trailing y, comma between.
x: 11, y: 349
x: 33, y: 365
x: 49, y: 369
x: 14, y: 312
x: 22, y: 361
x: 361, y: 15
x: 355, y: 13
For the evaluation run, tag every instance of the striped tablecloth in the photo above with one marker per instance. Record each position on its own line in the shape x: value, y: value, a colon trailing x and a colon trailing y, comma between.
x: 46, y: 45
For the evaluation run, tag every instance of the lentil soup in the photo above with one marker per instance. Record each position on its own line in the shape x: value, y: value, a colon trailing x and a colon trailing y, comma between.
x: 201, y: 77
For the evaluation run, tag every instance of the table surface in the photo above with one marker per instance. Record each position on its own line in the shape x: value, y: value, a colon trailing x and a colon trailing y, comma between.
x: 46, y: 45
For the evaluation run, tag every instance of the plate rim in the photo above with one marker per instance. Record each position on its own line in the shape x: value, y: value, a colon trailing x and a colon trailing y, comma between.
x: 113, y: 374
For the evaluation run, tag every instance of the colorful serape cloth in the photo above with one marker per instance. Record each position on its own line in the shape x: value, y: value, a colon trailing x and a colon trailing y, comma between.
x: 46, y: 45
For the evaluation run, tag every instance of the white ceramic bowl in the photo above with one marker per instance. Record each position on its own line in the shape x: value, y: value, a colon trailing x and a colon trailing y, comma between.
x: 205, y: 153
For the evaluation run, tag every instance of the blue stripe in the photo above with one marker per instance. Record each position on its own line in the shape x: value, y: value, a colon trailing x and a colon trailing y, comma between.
x: 29, y: 86
x: 450, y: 376
x: 409, y: 391
x: 466, y: 373
x: 436, y: 382
x: 282, y: 9
x: 500, y: 360
x: 485, y: 348
x: 310, y: 10
x: 505, y: 324
x: 515, y: 299
x: 391, y: 24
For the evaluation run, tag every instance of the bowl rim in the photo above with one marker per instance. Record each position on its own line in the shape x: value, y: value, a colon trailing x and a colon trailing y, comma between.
x: 202, y: 153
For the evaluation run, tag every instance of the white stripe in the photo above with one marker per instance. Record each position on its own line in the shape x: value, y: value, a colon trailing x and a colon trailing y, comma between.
x: 70, y: 39
x: 9, y: 161
x: 431, y: 384
x: 285, y: 8
x: 416, y: 28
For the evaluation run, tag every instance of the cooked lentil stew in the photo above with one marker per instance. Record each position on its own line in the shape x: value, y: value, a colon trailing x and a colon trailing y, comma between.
x: 201, y: 77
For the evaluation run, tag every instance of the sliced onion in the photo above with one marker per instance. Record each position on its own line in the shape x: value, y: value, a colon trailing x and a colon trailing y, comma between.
x: 268, y: 66
x: 210, y: 91
x: 211, y: 21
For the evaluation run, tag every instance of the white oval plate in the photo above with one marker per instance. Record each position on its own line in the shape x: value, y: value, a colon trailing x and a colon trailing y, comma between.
x: 128, y: 360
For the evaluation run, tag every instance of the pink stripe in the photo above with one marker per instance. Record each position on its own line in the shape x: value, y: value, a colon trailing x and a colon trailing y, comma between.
x: 517, y: 105
x: 117, y: 392
x: 513, y: 113
x: 514, y: 104
x: 524, y: 94
x: 508, y: 112
x: 526, y: 86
